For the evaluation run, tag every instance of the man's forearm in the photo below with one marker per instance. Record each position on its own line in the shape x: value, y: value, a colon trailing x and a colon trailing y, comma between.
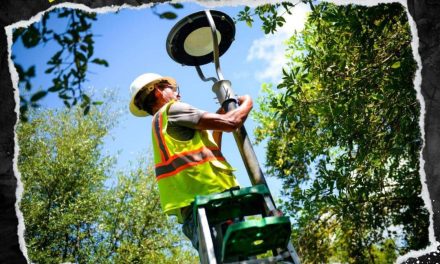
x: 231, y: 120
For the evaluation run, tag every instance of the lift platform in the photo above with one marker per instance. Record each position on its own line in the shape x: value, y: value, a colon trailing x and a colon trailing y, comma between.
x: 238, y: 225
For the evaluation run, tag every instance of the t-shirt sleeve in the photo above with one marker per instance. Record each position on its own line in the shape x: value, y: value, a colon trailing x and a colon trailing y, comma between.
x: 183, y: 114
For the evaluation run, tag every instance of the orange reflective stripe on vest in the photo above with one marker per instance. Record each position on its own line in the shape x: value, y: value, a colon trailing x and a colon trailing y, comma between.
x: 184, y: 160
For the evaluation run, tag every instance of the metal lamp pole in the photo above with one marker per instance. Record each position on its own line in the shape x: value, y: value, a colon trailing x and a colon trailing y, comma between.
x: 227, y: 99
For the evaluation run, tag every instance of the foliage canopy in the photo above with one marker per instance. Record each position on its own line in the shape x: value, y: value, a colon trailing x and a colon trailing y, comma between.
x: 70, y: 214
x: 342, y: 133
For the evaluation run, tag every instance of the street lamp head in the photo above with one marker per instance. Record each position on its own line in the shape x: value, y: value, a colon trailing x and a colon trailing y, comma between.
x: 190, y: 41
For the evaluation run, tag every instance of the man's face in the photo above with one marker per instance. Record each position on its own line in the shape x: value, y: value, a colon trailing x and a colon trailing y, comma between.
x: 167, y: 91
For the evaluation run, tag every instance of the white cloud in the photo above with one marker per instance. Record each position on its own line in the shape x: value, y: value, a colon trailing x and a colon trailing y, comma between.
x: 271, y: 48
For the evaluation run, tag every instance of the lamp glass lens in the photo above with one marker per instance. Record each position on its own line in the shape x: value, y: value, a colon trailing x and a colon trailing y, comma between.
x: 199, y: 42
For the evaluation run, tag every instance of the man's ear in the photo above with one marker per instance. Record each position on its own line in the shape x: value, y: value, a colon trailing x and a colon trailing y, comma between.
x: 157, y: 94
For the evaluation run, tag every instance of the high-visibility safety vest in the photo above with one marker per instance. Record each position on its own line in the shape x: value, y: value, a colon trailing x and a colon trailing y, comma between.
x: 187, y: 168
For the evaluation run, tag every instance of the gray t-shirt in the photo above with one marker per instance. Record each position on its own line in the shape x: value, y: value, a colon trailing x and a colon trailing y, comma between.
x: 182, y: 120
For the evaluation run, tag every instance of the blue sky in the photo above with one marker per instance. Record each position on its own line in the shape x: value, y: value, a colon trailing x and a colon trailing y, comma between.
x: 133, y: 42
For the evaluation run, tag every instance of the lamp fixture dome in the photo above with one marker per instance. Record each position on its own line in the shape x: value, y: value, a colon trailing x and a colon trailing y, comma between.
x: 190, y: 40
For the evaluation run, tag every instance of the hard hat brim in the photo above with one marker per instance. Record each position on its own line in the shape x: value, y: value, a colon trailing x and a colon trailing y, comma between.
x: 139, y: 112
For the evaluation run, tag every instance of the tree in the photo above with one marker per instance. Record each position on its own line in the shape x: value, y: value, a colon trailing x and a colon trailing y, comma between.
x: 343, y: 135
x: 63, y: 175
x: 70, y: 63
x: 138, y: 231
x: 70, y: 215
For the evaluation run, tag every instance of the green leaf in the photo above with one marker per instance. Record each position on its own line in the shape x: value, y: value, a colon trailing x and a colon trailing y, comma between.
x: 86, y: 98
x: 396, y: 65
x: 31, y: 71
x: 177, y: 5
x: 67, y: 104
x: 28, y: 86
x: 55, y: 88
x: 20, y: 71
x: 80, y: 56
x: 83, y: 48
x: 89, y: 39
x: 168, y: 15
x: 58, y: 39
x: 100, y: 62
x: 24, y: 108
x: 90, y: 50
x: 38, y: 95
x: 49, y: 70
x: 86, y: 110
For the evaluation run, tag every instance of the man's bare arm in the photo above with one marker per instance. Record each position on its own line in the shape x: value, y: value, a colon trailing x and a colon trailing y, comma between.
x: 229, y: 121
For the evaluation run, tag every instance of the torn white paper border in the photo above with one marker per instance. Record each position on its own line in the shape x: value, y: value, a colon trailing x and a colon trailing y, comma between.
x: 210, y: 4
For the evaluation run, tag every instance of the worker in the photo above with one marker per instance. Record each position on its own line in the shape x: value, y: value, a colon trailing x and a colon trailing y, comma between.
x: 188, y: 160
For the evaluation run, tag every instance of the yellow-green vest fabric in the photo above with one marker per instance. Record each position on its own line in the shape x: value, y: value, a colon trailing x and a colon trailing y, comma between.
x: 188, y: 168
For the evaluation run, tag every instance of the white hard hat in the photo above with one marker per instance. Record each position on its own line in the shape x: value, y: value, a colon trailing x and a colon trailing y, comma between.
x: 147, y: 81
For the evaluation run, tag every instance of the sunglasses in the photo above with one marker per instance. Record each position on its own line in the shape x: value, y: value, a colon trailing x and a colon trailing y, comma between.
x: 162, y: 85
